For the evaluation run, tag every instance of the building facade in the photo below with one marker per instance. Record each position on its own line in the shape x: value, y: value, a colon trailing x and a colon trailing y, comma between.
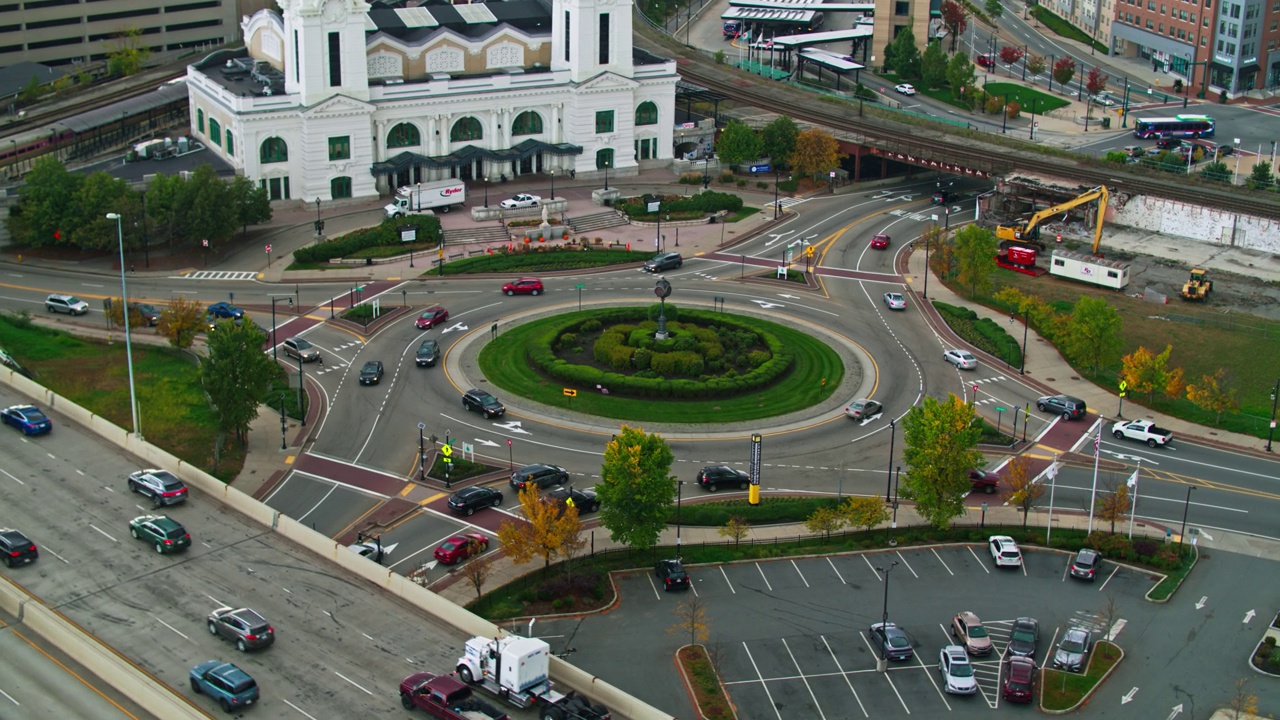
x: 63, y: 32
x: 1173, y: 35
x: 338, y: 99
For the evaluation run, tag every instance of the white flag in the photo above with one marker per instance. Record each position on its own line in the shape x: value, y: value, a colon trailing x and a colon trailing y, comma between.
x: 1133, y: 480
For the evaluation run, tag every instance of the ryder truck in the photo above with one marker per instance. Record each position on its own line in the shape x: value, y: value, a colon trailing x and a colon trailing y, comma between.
x: 438, y: 195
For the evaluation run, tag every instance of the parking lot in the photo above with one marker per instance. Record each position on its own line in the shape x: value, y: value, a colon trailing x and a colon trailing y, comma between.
x: 792, y: 635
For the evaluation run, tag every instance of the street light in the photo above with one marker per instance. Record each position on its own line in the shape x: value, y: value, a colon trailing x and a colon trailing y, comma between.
x: 606, y: 175
x: 128, y: 344
x: 897, y: 474
x: 889, y: 481
x: 275, y: 340
x: 552, y: 173
x: 1275, y: 393
x: 679, y: 493
x: 884, y: 613
x: 1022, y: 370
x: 1185, y: 508
x: 777, y: 175
x: 486, y: 191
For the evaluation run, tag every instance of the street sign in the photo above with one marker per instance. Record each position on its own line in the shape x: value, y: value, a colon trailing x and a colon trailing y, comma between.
x: 808, y: 252
x: 268, y: 249
x: 570, y: 392
x: 1002, y: 409
x: 422, y: 426
x: 578, y: 287
x: 761, y: 168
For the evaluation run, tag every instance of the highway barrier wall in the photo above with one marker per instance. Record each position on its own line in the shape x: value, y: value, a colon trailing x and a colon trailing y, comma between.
x: 163, y: 701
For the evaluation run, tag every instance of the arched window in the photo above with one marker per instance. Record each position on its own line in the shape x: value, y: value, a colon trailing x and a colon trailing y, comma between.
x: 604, y: 158
x: 527, y: 123
x: 404, y: 135
x: 273, y: 150
x: 468, y: 128
x: 200, y: 121
x: 231, y: 144
x: 647, y: 114
x: 340, y: 187
x: 215, y: 132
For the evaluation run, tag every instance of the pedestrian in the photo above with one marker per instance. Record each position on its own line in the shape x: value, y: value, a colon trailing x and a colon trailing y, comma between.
x: 320, y: 359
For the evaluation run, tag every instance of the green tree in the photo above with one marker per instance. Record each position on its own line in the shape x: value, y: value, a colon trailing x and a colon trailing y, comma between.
x: 128, y: 54
x: 864, y: 512
x: 817, y: 153
x: 736, y: 529
x: 236, y: 374
x: 205, y: 209
x: 44, y: 217
x: 974, y: 249
x: 737, y: 144
x: 1261, y: 178
x: 1090, y: 335
x: 1216, y: 170
x: 251, y: 201
x: 941, y: 438
x: 636, y: 488
x: 905, y: 54
x: 994, y: 9
x: 778, y: 140
x: 933, y: 66
x: 824, y: 521
x: 959, y: 75
x: 101, y: 194
x: 180, y: 322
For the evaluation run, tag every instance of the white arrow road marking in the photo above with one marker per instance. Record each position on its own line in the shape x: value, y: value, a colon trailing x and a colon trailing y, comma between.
x: 873, y: 418
x: 775, y: 237
x: 789, y: 297
x: 1177, y: 710
x: 1128, y: 697
x: 1203, y: 600
x: 766, y: 305
x: 1249, y: 616
x: 1130, y: 458
x: 456, y: 326
x: 512, y: 426
x: 488, y: 443
x: 431, y: 565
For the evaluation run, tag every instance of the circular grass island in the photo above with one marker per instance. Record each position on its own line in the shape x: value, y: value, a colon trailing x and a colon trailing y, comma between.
x: 713, y: 367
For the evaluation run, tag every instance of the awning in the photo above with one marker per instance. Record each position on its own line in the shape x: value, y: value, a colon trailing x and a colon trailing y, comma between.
x: 469, y: 154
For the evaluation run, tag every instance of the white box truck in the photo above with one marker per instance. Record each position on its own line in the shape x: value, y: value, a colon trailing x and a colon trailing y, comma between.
x: 437, y: 195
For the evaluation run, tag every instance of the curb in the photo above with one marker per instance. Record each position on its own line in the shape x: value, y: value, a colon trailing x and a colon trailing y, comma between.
x: 1172, y: 592
x: 1089, y: 695
x: 688, y: 685
x: 1270, y: 632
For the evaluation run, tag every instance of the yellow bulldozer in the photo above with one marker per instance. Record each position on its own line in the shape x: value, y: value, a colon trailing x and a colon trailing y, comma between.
x: 1198, y: 286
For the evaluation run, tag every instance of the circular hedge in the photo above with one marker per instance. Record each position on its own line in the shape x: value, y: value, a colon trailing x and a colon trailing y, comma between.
x: 791, y: 370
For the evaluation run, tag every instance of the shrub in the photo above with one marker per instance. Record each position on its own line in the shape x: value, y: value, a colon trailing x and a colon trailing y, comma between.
x: 756, y: 358
x: 592, y: 325
x: 672, y: 312
x: 1145, y: 548
x: 566, y: 341
x: 385, y: 234
x: 641, y: 358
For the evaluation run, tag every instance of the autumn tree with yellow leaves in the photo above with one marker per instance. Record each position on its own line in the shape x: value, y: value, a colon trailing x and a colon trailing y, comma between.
x: 636, y: 489
x: 1023, y: 491
x: 548, y: 530
x: 1147, y: 373
x: 941, y: 448
x: 816, y: 154
x: 1214, y: 393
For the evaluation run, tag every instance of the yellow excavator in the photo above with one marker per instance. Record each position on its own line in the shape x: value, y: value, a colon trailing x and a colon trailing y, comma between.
x: 1029, y: 232
x: 1197, y: 286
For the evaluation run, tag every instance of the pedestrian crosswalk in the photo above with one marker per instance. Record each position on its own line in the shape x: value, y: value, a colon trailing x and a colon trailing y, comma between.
x: 789, y: 201
x: 220, y: 275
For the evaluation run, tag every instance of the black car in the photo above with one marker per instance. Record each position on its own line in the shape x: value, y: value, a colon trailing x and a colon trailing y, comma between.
x: 893, y: 641
x: 714, y: 477
x: 942, y: 197
x: 244, y: 627
x: 17, y: 548
x: 428, y: 353
x: 540, y: 474
x: 468, y: 500
x: 1070, y: 408
x: 371, y: 373
x: 672, y: 574
x: 585, y: 500
x: 476, y: 400
x: 1023, y: 637
x: 162, y: 486
x: 149, y: 314
x: 1086, y: 563
x: 664, y: 261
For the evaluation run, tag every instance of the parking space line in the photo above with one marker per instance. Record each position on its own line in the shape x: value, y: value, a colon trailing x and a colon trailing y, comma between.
x: 873, y: 568
x: 833, y: 567
x: 766, y: 580
x: 944, y: 563
x: 653, y: 587
x: 980, y: 668
x: 1113, y: 574
x: 803, y: 679
x: 806, y: 582
x: 932, y: 681
x: 895, y: 692
x: 844, y: 675
x: 694, y: 589
x: 726, y: 580
x: 763, y: 684
x: 904, y: 562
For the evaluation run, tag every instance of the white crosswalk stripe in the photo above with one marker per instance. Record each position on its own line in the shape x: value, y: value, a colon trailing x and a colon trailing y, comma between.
x: 788, y: 202
x: 221, y: 275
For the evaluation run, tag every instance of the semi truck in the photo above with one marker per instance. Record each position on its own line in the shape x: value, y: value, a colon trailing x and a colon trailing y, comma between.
x: 517, y: 669
x: 437, y: 195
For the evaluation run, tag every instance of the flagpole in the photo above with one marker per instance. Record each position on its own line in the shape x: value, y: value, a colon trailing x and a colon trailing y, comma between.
x: 1093, y: 493
x: 1053, y: 476
x: 1133, y: 482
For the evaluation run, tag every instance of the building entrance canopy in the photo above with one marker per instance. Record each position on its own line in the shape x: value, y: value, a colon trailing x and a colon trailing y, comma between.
x: 470, y: 154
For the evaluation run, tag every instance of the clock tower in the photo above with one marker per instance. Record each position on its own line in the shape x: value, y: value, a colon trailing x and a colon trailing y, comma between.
x: 325, y: 49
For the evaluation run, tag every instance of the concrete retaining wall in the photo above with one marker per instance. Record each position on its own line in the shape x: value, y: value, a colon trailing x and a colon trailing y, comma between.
x: 162, y: 701
x: 1202, y: 224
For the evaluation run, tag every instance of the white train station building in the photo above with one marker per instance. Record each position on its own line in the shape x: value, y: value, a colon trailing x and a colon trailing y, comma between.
x: 335, y: 99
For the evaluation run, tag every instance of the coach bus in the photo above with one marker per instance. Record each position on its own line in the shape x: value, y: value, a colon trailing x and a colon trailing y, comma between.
x: 1192, y: 126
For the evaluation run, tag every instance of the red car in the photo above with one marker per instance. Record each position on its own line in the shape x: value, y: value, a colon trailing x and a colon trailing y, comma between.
x: 523, y: 286
x: 432, y: 317
x: 460, y: 547
x: 1020, y: 680
x: 986, y: 60
x: 880, y: 241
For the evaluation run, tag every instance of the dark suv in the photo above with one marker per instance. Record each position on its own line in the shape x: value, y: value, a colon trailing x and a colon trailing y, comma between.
x: 229, y: 685
x: 664, y: 261
x: 476, y: 400
x: 714, y: 477
x: 17, y: 548
x: 162, y: 486
x: 1070, y: 408
x: 246, y: 628
x: 672, y: 574
x: 428, y: 353
x: 543, y: 476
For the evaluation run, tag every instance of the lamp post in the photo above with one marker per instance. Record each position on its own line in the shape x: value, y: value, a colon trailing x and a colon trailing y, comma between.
x: 606, y: 175
x: 275, y: 341
x: 422, y: 455
x: 486, y: 191
x: 1032, y: 132
x: 679, y: 494
x: 283, y: 427
x: 319, y: 222
x: 302, y: 409
x: 1124, y: 106
x: 777, y: 175
x: 1022, y: 370
x: 1275, y: 394
x: 897, y: 474
x: 889, y: 481
x: 128, y: 344
x: 882, y: 665
x: 552, y: 173
x: 1053, y: 60
x: 1186, y: 506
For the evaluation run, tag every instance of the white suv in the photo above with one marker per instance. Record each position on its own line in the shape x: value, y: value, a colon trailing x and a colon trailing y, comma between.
x: 1004, y: 551
x: 69, y: 304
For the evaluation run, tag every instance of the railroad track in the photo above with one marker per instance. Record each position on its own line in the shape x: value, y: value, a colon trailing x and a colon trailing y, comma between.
x: 1003, y: 158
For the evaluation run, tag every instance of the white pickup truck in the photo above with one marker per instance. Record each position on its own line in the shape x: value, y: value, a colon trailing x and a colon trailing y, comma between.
x: 1142, y: 431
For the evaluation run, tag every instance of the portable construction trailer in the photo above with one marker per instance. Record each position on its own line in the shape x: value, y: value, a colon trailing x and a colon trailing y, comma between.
x: 1087, y: 268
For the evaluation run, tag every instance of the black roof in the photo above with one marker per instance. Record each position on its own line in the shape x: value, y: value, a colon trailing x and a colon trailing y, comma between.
x: 17, y: 76
x: 530, y: 16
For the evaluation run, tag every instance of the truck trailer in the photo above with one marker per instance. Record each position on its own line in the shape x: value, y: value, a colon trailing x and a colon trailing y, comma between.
x: 436, y: 195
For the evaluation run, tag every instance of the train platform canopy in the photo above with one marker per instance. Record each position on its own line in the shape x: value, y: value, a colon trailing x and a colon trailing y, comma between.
x: 829, y: 60
x: 87, y: 121
x: 825, y: 36
x: 769, y: 15
x: 806, y: 5
x: 688, y: 91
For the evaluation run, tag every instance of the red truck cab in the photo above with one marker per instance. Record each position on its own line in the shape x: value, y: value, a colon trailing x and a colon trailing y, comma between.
x: 444, y: 697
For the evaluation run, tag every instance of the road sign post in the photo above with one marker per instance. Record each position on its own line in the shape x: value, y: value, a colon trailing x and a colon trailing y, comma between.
x: 1124, y: 387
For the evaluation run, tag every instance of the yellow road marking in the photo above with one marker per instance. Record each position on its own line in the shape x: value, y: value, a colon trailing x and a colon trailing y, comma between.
x: 73, y: 674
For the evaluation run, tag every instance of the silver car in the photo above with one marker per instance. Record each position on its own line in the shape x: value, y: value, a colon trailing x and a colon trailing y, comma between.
x: 895, y: 301
x: 296, y: 347
x: 962, y: 359
x: 244, y: 627
x: 1073, y: 650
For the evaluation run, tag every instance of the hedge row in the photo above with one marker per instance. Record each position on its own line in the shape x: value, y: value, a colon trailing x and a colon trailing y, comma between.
x: 649, y: 383
x: 984, y: 333
x: 544, y: 259
x: 386, y: 234
x: 704, y: 202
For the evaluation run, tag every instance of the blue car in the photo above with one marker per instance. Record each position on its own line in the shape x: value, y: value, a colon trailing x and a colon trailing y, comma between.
x: 225, y: 311
x: 229, y: 685
x: 28, y: 419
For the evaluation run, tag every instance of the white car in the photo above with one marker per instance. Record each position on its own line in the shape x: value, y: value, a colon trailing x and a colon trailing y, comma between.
x: 895, y: 301
x: 906, y: 89
x: 962, y: 359
x: 522, y: 200
x: 957, y: 671
x: 1004, y: 551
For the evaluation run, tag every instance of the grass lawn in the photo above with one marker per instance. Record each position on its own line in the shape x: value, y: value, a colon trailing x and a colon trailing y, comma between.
x: 816, y: 373
x: 1064, y: 28
x: 1060, y: 690
x: 942, y: 95
x: 705, y: 683
x: 1025, y: 96
x: 742, y: 214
